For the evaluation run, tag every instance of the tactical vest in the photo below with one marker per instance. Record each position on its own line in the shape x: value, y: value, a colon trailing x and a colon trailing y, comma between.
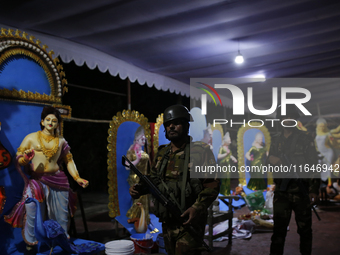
x: 173, y: 189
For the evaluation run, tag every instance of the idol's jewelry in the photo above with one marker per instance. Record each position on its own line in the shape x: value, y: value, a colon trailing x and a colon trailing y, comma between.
x: 49, y: 153
x: 69, y: 157
x: 76, y: 177
x: 23, y: 161
x: 47, y: 138
x: 21, y: 150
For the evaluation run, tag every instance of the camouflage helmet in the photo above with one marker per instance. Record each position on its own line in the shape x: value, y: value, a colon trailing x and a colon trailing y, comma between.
x: 176, y: 112
x: 291, y: 111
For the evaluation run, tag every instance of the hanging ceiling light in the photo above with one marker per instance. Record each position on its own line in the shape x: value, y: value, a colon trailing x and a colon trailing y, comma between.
x: 239, y: 58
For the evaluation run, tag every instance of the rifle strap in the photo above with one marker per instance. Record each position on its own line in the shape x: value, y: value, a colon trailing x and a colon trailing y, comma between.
x: 184, y: 178
x: 172, y: 196
x: 185, y: 174
x: 164, y: 161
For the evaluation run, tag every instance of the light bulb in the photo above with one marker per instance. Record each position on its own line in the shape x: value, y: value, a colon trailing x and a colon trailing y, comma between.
x: 239, y: 58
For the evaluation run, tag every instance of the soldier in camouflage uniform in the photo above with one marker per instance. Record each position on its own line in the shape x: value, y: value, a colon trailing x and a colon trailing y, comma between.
x: 170, y: 174
x: 297, y: 194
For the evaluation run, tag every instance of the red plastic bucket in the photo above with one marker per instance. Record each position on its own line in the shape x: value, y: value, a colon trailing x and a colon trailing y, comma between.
x: 143, y: 243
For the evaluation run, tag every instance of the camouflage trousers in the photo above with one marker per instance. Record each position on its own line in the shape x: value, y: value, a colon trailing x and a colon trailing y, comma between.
x: 178, y: 240
x: 284, y: 203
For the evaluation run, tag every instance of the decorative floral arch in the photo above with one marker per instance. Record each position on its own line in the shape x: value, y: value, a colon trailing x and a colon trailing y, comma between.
x: 129, y: 119
x: 241, y: 149
x: 18, y: 44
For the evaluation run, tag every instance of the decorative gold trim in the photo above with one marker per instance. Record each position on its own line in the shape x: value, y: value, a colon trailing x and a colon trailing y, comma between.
x: 19, y: 51
x: 158, y: 124
x: 49, y: 153
x: 28, y: 96
x: 46, y: 137
x: 240, y: 149
x: 76, y: 177
x: 17, y: 43
x: 117, y: 120
x: 69, y: 157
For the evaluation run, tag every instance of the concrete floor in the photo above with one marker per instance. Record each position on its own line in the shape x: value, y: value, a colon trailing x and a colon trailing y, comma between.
x: 326, y: 232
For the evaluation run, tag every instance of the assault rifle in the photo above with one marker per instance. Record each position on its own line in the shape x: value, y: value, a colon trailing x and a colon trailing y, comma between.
x: 167, y: 203
x: 301, y: 186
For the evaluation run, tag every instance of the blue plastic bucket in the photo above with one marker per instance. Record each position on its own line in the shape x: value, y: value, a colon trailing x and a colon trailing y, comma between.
x: 143, y: 243
x: 160, y: 243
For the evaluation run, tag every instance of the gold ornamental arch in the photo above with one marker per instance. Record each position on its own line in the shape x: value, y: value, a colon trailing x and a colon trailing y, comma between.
x: 117, y: 120
x: 241, y: 151
x: 15, y: 43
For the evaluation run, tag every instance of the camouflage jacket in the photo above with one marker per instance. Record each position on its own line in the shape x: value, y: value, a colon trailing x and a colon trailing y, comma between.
x: 299, y: 147
x: 199, y: 193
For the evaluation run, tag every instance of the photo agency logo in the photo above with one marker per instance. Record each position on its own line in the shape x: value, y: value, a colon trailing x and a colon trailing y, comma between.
x: 244, y: 108
x: 204, y: 97
x: 237, y: 103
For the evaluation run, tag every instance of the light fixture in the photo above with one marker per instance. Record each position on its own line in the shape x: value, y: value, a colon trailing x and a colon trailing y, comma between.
x: 239, y: 58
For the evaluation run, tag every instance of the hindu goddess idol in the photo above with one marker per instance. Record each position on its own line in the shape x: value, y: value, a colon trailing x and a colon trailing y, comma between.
x: 41, y: 154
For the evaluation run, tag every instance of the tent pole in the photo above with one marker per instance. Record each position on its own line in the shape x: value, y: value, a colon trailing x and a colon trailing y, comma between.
x: 318, y: 108
x: 129, y: 93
